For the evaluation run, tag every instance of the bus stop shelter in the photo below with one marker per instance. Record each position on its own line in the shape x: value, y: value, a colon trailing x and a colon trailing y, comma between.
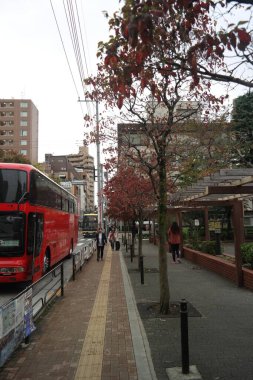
x: 226, y: 187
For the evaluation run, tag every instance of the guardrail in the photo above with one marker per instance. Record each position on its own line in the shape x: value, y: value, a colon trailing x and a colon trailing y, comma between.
x: 81, y: 256
x: 17, y: 316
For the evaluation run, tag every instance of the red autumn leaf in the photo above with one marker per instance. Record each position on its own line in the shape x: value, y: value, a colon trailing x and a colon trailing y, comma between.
x: 244, y: 37
x: 144, y: 83
x: 120, y: 102
x: 121, y: 88
x: 113, y: 61
x: 107, y: 60
x: 153, y: 88
x: 209, y: 52
x: 232, y: 39
x: 139, y: 57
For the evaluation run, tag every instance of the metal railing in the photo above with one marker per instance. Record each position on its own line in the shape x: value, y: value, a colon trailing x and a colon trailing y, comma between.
x: 81, y: 256
x: 17, y: 316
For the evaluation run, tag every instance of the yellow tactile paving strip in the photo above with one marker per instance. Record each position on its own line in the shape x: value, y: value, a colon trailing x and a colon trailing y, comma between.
x: 90, y: 363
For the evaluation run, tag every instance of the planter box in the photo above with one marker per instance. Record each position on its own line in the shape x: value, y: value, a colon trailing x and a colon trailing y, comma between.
x: 218, y: 265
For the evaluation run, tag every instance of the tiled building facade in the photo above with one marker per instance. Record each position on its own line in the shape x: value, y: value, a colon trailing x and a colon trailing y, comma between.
x: 84, y: 163
x: 19, y: 128
x: 75, y: 168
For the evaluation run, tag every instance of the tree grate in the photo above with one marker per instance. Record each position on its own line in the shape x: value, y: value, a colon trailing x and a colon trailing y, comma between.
x: 146, y: 270
x: 152, y: 310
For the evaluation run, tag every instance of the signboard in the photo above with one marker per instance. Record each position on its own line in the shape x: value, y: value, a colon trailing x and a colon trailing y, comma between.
x: 16, y: 323
x: 214, y: 225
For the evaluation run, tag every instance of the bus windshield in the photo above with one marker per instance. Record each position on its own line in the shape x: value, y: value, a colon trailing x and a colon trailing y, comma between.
x: 90, y: 222
x: 12, y: 226
x: 13, y: 184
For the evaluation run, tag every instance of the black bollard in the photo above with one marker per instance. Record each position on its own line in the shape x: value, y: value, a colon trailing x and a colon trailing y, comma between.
x: 217, y: 242
x: 142, y: 269
x: 184, y: 336
x: 132, y: 252
x: 74, y: 267
x: 62, y: 280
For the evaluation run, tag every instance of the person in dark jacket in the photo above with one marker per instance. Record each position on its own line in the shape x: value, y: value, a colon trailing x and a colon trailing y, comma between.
x: 101, y: 241
x: 174, y: 240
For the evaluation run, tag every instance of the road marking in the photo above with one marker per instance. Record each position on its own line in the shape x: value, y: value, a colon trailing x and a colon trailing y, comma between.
x: 90, y: 362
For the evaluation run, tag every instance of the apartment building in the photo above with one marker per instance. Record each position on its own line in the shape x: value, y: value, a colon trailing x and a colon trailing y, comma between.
x: 84, y: 163
x: 75, y: 169
x: 62, y: 171
x: 19, y: 128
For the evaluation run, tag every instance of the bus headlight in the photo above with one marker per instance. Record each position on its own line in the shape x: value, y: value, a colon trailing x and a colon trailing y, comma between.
x: 11, y: 270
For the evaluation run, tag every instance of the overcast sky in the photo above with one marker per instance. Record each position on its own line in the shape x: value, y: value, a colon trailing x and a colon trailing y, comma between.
x: 34, y: 65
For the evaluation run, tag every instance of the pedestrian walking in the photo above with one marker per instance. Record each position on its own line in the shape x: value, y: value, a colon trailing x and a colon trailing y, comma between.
x: 101, y: 241
x: 112, y: 237
x: 174, y: 240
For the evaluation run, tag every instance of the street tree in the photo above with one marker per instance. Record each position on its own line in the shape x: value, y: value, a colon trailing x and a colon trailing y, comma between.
x: 157, y: 60
x: 130, y: 197
x: 243, y: 128
x: 225, y: 38
x: 204, y: 149
x: 13, y: 156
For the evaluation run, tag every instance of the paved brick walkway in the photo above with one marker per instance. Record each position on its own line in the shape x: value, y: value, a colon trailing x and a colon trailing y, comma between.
x: 55, y: 350
x: 220, y: 328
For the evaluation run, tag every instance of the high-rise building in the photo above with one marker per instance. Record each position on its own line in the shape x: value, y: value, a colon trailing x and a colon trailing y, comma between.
x: 19, y: 128
x: 74, y: 168
x: 85, y: 163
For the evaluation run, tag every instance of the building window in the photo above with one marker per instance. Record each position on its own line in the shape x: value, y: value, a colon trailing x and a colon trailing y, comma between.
x: 7, y: 122
x: 23, y: 151
x: 8, y: 113
x: 23, y: 105
x: 23, y: 123
x: 23, y: 132
x: 23, y: 142
x: 23, y: 114
x: 6, y: 142
x: 6, y: 133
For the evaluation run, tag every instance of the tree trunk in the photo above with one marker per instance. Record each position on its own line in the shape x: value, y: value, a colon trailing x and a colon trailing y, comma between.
x: 140, y: 238
x: 162, y: 218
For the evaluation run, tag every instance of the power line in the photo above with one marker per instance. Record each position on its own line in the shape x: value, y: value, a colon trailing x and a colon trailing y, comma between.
x: 75, y: 31
x: 66, y: 56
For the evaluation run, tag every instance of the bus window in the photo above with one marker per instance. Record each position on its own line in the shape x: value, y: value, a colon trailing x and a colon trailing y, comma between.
x: 65, y: 205
x: 13, y: 184
x: 12, y: 234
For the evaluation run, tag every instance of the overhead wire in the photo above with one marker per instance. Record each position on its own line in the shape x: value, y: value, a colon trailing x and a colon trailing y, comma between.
x: 86, y: 65
x: 66, y: 55
x: 83, y: 49
x: 76, y: 34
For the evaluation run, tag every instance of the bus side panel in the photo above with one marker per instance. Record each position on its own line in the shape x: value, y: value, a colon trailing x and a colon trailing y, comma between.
x: 59, y: 230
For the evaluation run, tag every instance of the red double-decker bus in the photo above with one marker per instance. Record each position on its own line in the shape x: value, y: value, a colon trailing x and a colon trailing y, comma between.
x: 38, y: 223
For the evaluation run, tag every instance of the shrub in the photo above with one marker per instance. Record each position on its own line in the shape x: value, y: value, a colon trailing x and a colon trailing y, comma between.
x: 247, y: 253
x: 209, y: 246
x: 205, y: 246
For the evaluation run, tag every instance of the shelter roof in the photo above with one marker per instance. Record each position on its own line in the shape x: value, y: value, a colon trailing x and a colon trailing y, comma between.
x: 222, y: 186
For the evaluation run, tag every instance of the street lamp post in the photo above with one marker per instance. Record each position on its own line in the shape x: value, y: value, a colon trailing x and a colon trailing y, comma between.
x: 99, y: 193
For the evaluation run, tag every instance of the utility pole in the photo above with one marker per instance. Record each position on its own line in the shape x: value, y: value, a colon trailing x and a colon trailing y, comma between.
x: 99, y: 193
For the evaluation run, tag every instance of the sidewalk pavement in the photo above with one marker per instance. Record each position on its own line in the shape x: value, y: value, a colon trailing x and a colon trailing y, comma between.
x: 95, y: 331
